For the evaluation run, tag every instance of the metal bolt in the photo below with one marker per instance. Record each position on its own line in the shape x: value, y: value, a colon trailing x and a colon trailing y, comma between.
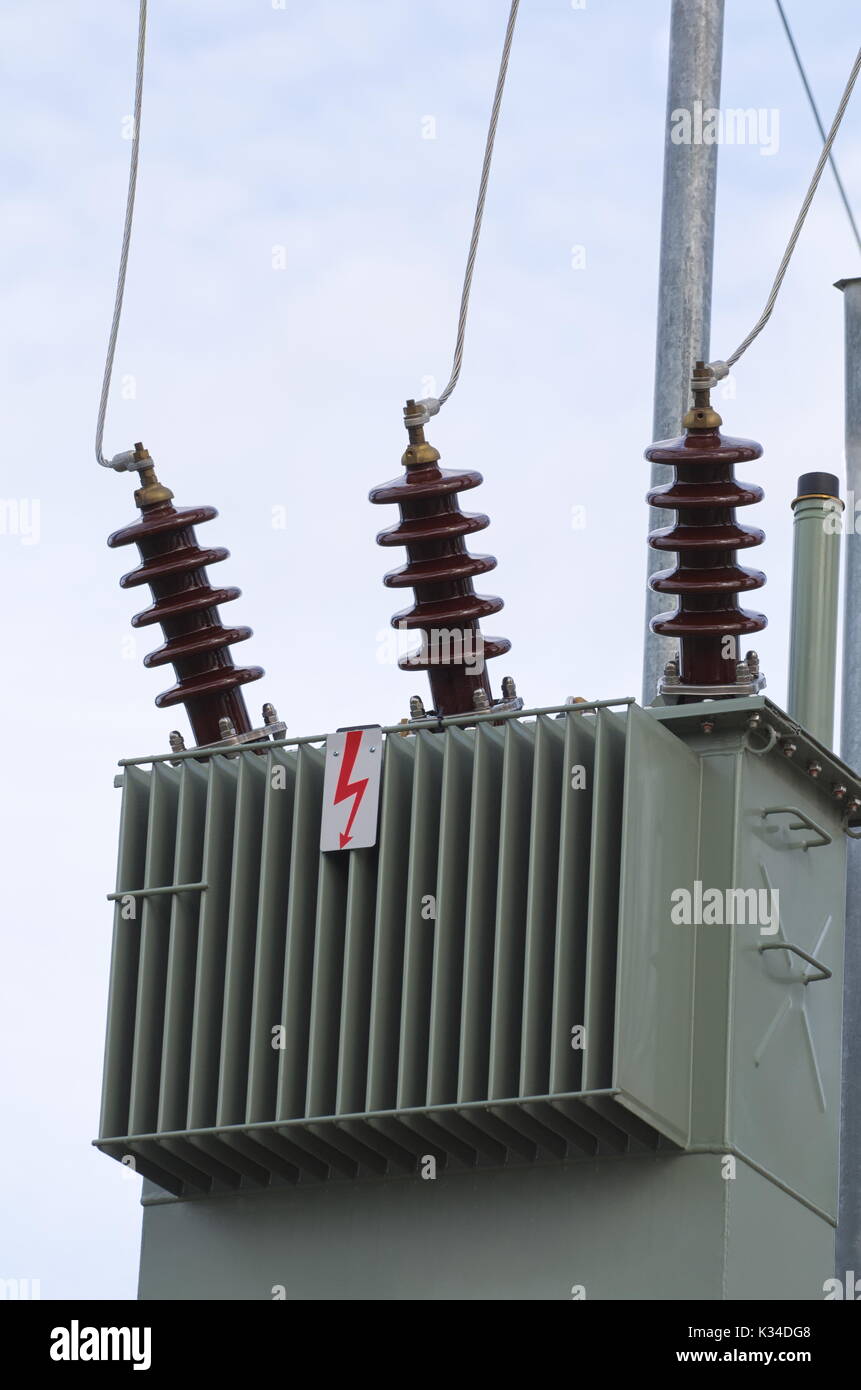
x: 671, y: 670
x: 752, y: 659
x: 853, y: 806
x: 707, y: 726
x: 225, y: 727
x: 480, y: 700
x: 417, y: 707
x: 509, y: 689
x: 838, y: 791
x: 788, y: 748
x: 814, y: 769
x: 177, y: 745
x: 270, y: 714
x: 742, y: 672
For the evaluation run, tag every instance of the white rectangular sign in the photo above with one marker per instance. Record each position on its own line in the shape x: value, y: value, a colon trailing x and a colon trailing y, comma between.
x: 351, y: 789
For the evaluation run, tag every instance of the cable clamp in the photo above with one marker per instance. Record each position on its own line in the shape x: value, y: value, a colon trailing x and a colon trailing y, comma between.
x: 422, y: 412
x: 127, y: 462
x: 717, y: 372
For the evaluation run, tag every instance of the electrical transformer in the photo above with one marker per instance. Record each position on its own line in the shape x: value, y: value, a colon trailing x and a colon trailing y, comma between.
x: 497, y: 1002
x: 574, y: 1015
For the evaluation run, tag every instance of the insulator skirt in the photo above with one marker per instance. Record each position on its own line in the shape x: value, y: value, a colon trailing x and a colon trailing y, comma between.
x: 186, y: 605
x: 440, y: 570
x: 705, y: 539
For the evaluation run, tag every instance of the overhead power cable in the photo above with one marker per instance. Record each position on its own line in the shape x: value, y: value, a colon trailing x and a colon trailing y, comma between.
x: 432, y: 405
x: 121, y: 461
x: 720, y: 368
x: 814, y: 108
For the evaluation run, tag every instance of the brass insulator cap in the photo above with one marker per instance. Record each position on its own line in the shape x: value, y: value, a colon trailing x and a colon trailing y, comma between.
x: 419, y: 455
x: 701, y: 417
x: 151, y: 492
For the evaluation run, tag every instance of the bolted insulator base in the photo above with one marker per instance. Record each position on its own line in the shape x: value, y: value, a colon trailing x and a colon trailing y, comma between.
x: 197, y: 645
x: 447, y: 610
x: 705, y: 538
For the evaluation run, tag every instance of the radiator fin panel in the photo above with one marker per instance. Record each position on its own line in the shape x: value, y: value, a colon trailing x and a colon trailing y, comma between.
x: 277, y: 1014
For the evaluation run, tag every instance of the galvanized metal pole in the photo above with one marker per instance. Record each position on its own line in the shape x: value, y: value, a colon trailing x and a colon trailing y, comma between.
x: 687, y: 246
x: 817, y: 523
x: 849, y: 1209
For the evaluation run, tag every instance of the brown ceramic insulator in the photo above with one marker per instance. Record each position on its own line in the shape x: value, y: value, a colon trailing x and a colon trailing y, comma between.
x: 186, y: 606
x: 440, y: 570
x: 705, y: 538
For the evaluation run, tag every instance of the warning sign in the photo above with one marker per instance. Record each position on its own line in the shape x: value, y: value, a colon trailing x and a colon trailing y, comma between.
x: 351, y: 790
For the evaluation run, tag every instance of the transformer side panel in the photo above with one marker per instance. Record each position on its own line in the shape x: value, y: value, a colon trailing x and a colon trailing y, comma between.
x: 669, y: 1227
x: 657, y: 943
x: 784, y: 1068
x: 632, y: 1229
x: 776, y: 1248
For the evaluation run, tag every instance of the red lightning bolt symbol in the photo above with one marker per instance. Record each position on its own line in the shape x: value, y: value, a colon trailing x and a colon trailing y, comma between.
x: 347, y: 788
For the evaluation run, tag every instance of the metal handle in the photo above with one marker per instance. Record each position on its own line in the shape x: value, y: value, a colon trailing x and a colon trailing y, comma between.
x: 825, y: 973
x: 805, y: 823
x: 155, y: 892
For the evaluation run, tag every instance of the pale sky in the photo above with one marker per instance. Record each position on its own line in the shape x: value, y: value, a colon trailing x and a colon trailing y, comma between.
x: 276, y: 394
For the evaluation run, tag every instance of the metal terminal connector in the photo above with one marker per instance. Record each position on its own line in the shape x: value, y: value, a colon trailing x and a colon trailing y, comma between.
x: 417, y: 709
x: 702, y: 415
x: 131, y: 460
x: 748, y: 681
x: 510, y: 698
x: 272, y: 728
